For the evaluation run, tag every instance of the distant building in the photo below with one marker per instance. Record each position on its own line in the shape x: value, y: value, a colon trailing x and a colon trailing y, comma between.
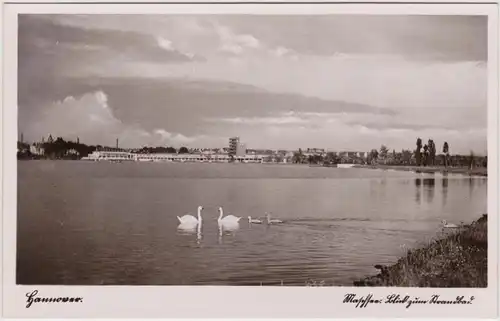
x: 73, y: 152
x: 233, y: 145
x: 37, y: 149
x: 262, y: 151
x: 316, y: 150
x: 124, y: 156
x: 241, y: 150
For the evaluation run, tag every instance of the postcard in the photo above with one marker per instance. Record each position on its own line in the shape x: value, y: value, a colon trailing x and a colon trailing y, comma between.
x: 250, y: 160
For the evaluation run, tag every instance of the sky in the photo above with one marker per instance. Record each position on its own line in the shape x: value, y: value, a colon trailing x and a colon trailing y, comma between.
x: 339, y: 82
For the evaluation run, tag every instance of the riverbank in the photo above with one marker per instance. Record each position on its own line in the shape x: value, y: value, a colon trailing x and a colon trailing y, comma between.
x: 477, y: 171
x: 457, y: 260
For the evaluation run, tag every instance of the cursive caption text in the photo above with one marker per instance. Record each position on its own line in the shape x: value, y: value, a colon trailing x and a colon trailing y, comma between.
x: 406, y: 300
x: 33, y: 297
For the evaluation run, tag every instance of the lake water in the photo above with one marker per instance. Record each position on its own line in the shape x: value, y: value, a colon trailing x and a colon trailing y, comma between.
x: 90, y: 223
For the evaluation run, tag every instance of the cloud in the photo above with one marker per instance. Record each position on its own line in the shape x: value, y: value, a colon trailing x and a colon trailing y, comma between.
x: 232, y: 48
x: 168, y: 46
x: 165, y: 44
x: 280, y: 51
x: 414, y: 37
x: 247, y: 41
x: 43, y: 38
x: 173, y: 139
x: 341, y: 136
x: 285, y: 120
x: 339, y: 130
x: 399, y: 122
x: 234, y: 43
x: 91, y: 119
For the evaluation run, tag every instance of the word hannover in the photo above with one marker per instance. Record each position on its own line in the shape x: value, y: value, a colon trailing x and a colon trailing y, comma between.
x: 32, y: 298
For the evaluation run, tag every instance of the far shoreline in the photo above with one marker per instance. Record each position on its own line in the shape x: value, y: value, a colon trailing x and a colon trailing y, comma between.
x: 476, y: 171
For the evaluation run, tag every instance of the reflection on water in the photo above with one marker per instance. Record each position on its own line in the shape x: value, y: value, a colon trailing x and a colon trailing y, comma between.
x: 418, y: 190
x: 444, y: 188
x: 186, y: 229
x: 429, y: 184
x: 226, y: 228
x: 471, y: 185
x: 100, y: 223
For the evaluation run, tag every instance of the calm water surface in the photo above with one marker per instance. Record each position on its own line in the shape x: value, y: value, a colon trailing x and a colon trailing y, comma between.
x: 101, y: 223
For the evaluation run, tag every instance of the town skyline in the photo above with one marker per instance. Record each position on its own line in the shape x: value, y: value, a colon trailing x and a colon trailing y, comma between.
x: 250, y: 149
x: 194, y: 80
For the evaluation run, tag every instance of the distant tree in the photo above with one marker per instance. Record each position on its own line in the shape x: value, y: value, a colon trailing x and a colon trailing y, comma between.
x: 383, y: 152
x: 317, y: 159
x: 406, y: 155
x: 471, y: 160
x: 298, y: 157
x: 373, y: 156
x: 171, y: 150
x: 418, y: 155
x: 446, y: 152
x: 183, y: 150
x: 329, y: 158
x: 23, y: 150
x: 432, y: 152
x: 424, y: 159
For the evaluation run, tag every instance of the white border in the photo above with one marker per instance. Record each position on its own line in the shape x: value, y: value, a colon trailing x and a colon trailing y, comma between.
x: 177, y: 301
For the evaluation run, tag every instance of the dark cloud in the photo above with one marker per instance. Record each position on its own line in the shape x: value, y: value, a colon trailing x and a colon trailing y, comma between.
x: 417, y: 37
x: 392, y: 124
x: 47, y: 50
x: 181, y: 106
x: 50, y: 36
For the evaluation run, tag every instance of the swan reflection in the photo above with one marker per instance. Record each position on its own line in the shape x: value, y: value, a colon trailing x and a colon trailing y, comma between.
x: 228, y: 228
x: 187, y: 229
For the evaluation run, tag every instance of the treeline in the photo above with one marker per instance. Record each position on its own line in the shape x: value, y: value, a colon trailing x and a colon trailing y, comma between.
x: 161, y: 150
x: 426, y: 155
x: 54, y: 149
x: 329, y: 158
x: 62, y: 149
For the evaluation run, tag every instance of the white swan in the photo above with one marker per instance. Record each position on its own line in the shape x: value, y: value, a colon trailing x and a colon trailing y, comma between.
x: 448, y: 225
x: 271, y: 221
x: 254, y: 221
x: 228, y: 219
x: 190, y: 220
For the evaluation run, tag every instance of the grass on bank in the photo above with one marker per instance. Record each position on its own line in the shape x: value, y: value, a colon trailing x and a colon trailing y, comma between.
x: 458, y: 260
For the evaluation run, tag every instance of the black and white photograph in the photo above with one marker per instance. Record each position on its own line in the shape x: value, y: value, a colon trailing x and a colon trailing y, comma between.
x: 261, y: 150
x: 233, y: 150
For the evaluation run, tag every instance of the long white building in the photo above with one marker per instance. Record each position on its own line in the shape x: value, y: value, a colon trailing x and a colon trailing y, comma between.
x: 208, y: 158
